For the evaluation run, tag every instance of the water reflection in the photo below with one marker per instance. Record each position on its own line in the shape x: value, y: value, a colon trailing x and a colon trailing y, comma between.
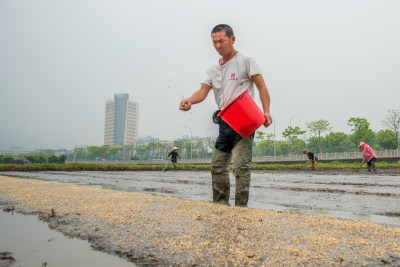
x: 33, y: 243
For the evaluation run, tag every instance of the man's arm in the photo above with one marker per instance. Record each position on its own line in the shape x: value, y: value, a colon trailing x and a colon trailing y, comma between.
x: 197, y: 97
x: 365, y: 156
x: 264, y: 97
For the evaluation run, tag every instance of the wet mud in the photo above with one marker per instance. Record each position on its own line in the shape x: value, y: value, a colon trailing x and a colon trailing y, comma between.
x: 338, y: 193
x: 278, y: 235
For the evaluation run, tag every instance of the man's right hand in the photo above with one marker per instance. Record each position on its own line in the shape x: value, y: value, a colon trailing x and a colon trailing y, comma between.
x: 185, y: 105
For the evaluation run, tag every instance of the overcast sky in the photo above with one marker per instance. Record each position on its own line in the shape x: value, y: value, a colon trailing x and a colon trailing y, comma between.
x: 61, y: 60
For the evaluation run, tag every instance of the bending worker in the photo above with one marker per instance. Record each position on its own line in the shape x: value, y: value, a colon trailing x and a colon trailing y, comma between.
x: 369, y: 156
x: 311, y: 158
x: 229, y: 77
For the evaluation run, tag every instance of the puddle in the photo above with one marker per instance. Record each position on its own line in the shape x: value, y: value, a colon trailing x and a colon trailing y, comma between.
x: 33, y: 243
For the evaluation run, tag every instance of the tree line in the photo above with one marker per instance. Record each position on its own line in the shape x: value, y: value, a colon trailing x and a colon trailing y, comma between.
x: 297, y: 140
x: 42, y: 157
x: 318, y: 138
x: 198, y: 148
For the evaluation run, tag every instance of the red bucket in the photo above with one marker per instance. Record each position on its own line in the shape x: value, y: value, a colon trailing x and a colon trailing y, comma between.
x: 243, y: 115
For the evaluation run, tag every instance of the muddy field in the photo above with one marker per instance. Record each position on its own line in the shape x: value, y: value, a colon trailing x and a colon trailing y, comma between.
x: 342, y: 194
x: 151, y: 229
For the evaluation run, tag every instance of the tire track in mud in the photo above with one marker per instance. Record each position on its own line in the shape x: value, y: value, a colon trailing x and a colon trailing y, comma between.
x: 349, y: 183
x: 183, y: 182
x: 327, y: 190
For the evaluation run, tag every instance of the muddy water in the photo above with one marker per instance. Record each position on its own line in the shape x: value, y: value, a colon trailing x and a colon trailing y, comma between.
x: 351, y: 196
x: 33, y: 243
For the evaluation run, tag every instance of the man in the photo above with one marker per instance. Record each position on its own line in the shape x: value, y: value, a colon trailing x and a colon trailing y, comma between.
x: 369, y: 156
x: 173, y: 156
x: 234, y: 73
x: 311, y: 158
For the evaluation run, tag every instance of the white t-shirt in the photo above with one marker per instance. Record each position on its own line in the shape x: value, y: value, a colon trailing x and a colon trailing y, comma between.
x: 229, y: 80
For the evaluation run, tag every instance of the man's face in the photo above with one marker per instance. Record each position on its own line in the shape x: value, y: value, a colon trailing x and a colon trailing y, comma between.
x: 222, y: 43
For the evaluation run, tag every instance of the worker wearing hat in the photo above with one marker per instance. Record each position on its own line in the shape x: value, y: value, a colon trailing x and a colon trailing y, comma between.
x: 369, y: 156
x: 174, y: 156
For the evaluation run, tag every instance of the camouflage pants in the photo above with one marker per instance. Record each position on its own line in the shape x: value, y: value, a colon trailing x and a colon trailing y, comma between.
x: 241, y: 153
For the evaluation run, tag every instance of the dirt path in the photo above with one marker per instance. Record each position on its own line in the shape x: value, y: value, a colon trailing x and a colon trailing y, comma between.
x: 164, y: 231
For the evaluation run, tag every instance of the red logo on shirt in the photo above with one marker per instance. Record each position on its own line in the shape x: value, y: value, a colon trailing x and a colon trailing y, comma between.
x: 233, y: 77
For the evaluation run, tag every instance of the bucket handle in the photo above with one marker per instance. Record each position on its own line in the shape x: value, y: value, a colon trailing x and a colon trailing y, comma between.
x: 225, y: 109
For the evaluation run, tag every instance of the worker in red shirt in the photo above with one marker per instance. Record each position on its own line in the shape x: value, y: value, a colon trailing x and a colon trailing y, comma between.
x: 369, y: 156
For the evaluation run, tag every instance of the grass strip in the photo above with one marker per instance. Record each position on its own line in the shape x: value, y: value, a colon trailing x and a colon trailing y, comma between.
x: 74, y: 167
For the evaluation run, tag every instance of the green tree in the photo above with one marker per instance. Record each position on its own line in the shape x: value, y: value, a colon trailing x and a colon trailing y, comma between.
x: 282, y: 148
x: 360, y: 127
x: 337, y: 142
x: 298, y: 146
x: 312, y: 144
x: 187, y: 149
x: 204, y: 147
x: 392, y: 121
x: 317, y: 128
x: 61, y: 159
x: 387, y: 139
x: 52, y: 159
x: 260, y: 135
x: 36, y: 158
x: 264, y: 142
x: 165, y: 148
x: 291, y: 134
x: 263, y: 148
x: 153, y: 147
x: 113, y: 152
x: 97, y: 152
x: 6, y: 159
x: 368, y: 136
x: 127, y: 151
x: 140, y: 152
x: 79, y: 154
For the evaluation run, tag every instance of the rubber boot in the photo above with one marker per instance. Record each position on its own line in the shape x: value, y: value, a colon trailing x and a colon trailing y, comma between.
x: 220, y: 176
x: 242, y: 155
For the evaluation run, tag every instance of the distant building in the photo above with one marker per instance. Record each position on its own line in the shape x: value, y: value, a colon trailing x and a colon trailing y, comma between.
x: 122, y: 121
x: 147, y: 139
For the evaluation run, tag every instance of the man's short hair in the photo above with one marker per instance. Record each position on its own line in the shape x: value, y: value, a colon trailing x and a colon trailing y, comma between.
x: 223, y: 28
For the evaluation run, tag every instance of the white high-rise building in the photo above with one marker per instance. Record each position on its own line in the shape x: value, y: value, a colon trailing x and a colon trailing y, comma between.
x: 122, y: 121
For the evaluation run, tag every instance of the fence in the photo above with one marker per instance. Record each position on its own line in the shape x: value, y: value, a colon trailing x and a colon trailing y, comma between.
x: 392, y: 154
